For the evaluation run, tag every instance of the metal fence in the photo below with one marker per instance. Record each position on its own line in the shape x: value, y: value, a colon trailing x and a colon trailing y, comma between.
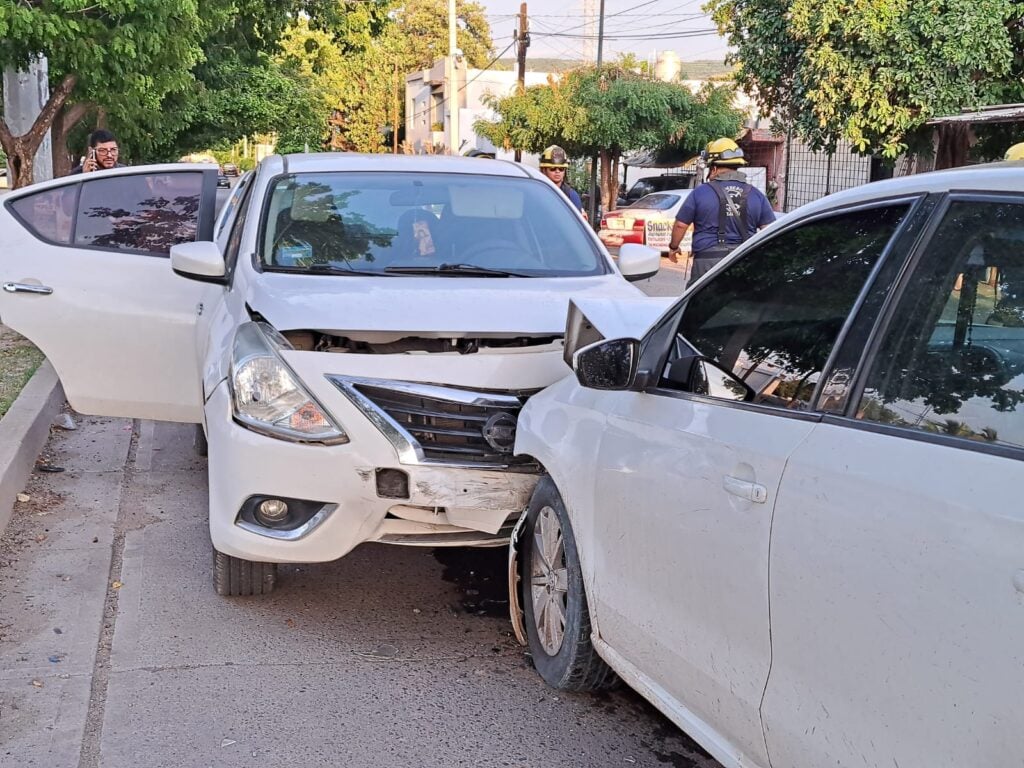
x: 809, y: 175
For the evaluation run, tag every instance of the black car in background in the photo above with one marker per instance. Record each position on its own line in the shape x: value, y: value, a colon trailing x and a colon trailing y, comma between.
x: 657, y: 184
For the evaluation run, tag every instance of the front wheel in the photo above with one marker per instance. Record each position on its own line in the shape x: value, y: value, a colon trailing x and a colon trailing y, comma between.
x: 554, y: 601
x: 235, y: 577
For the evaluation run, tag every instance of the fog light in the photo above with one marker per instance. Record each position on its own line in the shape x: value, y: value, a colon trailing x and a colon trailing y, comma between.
x: 392, y: 484
x: 282, y: 517
x: 272, y: 511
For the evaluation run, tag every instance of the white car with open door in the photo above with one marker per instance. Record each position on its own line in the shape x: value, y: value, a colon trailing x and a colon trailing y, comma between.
x: 356, y: 334
x: 787, y: 510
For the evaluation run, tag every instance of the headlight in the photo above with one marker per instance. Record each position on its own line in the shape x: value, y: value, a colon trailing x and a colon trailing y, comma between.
x: 266, y: 395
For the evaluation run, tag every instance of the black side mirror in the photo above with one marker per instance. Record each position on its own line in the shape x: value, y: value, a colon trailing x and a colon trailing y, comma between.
x: 609, y: 365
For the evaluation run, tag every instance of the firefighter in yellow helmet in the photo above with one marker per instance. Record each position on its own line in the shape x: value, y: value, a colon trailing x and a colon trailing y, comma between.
x: 724, y: 212
x: 1016, y: 152
x: 553, y: 164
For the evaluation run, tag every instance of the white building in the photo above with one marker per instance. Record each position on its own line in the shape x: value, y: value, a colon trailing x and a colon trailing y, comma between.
x: 429, y: 113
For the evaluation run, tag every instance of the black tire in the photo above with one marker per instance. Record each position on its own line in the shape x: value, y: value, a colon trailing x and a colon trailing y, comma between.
x: 235, y: 577
x: 199, y: 444
x: 570, y: 663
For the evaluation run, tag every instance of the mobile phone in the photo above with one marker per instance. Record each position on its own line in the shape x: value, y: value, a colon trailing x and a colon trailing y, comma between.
x: 92, y: 153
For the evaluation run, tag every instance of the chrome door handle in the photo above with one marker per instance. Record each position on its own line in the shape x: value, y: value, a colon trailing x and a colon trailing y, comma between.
x: 45, y: 290
x: 745, y: 489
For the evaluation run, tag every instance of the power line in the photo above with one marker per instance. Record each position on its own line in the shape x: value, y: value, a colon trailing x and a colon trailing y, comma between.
x: 658, y: 36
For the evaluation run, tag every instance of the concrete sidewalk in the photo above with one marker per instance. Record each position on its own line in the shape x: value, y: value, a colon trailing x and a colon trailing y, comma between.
x: 23, y: 432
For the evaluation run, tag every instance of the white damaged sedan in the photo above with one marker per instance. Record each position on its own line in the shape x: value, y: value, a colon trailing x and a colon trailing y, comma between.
x: 356, y: 334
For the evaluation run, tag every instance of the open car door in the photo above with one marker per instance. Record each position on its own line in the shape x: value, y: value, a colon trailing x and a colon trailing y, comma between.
x: 85, y: 276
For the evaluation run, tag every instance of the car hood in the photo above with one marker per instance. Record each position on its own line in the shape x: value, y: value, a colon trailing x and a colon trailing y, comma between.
x: 434, y: 305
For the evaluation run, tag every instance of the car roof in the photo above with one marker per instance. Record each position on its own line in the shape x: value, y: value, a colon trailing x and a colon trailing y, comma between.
x: 353, y: 161
x: 989, y: 177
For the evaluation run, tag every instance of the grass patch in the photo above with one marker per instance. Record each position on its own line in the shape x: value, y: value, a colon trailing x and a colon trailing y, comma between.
x: 18, y: 361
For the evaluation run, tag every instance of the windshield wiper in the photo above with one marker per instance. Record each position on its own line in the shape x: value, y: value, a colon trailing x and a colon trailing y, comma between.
x: 320, y: 269
x: 470, y: 270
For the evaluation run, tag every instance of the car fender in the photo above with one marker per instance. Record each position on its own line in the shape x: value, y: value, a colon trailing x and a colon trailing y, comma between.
x: 546, y: 421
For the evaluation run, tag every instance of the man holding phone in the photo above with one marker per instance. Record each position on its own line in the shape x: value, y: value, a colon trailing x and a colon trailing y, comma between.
x: 102, y: 154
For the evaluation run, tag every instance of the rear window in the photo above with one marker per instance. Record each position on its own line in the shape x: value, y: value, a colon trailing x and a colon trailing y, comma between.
x: 373, y: 223
x: 659, y: 201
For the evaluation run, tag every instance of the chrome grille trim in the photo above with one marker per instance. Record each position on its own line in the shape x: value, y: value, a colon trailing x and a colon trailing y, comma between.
x: 407, y: 425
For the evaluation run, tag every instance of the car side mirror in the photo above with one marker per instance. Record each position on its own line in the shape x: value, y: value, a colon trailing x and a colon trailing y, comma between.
x: 201, y: 260
x: 609, y: 364
x: 702, y: 376
x: 638, y: 262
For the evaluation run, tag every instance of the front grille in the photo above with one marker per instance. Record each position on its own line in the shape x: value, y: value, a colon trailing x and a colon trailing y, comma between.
x: 446, y: 425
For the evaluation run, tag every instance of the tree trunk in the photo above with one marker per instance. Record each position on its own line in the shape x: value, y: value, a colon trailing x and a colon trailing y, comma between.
x: 21, y: 150
x: 63, y: 123
x: 606, y: 161
x: 953, y: 145
x: 613, y: 196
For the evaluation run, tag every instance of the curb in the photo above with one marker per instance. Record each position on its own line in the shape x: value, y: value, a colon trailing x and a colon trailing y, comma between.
x: 23, y: 433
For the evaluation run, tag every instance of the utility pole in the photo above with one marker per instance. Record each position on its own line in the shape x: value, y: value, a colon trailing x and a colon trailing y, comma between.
x: 523, y: 38
x: 453, y: 83
x: 593, y: 167
x: 394, y: 133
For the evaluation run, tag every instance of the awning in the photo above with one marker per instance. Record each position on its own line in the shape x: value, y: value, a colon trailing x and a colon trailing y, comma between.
x: 664, y: 158
x: 1002, y: 113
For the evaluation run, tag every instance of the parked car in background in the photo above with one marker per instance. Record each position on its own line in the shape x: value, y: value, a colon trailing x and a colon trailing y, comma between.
x: 787, y: 510
x: 223, y: 181
x: 230, y: 169
x: 649, y: 184
x: 648, y: 222
x: 356, y: 334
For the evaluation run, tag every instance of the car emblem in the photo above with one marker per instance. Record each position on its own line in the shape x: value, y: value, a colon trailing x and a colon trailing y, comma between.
x: 500, y: 432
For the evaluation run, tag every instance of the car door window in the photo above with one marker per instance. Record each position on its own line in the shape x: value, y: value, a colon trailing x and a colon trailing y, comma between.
x: 50, y: 214
x: 139, y: 213
x: 772, y: 317
x: 952, y: 359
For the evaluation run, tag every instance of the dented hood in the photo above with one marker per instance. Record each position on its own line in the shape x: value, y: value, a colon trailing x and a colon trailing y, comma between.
x: 435, y: 305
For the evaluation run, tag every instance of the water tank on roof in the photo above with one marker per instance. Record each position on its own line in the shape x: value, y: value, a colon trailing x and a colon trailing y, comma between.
x: 668, y: 66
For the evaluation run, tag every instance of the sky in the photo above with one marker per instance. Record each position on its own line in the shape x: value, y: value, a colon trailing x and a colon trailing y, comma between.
x: 643, y: 27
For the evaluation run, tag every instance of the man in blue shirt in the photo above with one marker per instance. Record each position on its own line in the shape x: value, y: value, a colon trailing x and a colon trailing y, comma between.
x: 724, y: 212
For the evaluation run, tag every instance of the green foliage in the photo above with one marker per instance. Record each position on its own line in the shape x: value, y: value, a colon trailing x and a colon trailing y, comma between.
x: 421, y: 27
x: 356, y: 73
x: 610, y: 113
x: 874, y: 71
x: 123, y: 53
x: 615, y: 110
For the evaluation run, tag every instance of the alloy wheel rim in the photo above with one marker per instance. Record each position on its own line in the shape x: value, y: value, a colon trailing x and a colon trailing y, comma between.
x: 549, y: 582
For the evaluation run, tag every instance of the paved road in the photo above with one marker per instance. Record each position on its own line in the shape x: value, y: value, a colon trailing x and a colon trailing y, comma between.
x: 115, y: 652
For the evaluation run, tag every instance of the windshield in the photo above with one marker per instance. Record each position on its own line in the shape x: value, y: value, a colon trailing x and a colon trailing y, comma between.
x: 450, y: 225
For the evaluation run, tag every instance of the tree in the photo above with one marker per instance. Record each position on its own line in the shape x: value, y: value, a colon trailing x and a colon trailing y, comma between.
x: 357, y: 71
x: 353, y: 90
x: 609, y: 113
x: 422, y: 26
x: 239, y: 88
x: 126, y: 52
x: 873, y: 72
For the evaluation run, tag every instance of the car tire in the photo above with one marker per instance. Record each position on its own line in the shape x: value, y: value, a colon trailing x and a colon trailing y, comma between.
x: 199, y: 444
x: 557, y: 620
x: 235, y: 577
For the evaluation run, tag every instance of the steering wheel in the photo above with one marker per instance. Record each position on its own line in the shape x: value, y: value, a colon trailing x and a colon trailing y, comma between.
x: 493, y: 250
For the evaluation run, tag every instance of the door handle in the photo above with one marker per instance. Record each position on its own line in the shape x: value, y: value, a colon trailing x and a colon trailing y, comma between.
x: 45, y: 290
x: 745, y: 489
